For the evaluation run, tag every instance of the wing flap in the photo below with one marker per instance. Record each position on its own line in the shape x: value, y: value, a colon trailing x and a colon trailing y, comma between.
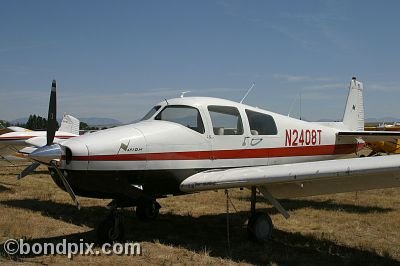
x: 304, y: 179
x: 370, y: 136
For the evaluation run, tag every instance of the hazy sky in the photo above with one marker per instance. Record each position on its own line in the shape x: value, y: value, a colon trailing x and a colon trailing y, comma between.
x: 118, y: 58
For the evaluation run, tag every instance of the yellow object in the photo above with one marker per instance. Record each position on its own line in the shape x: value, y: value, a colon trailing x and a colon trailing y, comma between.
x: 388, y: 147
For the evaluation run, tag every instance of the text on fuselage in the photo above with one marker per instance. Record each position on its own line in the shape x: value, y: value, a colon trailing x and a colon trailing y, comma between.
x: 302, y: 137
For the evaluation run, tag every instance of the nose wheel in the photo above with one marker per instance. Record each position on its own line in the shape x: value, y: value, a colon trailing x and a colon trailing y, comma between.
x: 147, y: 210
x: 111, y: 229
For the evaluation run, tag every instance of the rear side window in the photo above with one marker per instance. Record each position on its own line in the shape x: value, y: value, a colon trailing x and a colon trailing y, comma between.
x: 261, y: 124
x: 226, y: 120
x: 185, y: 115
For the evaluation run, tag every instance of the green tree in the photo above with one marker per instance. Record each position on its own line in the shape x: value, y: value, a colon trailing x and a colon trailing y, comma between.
x: 36, y: 122
x: 83, y: 126
x: 4, y: 123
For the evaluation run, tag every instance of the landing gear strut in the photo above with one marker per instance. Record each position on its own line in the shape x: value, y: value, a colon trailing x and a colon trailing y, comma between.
x: 259, y: 227
x: 111, y: 229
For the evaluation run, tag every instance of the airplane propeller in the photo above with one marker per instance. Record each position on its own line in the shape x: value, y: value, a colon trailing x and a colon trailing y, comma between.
x: 51, y: 116
x: 51, y: 153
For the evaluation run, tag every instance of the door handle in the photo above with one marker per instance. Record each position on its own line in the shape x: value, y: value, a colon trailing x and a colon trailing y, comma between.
x: 245, y: 141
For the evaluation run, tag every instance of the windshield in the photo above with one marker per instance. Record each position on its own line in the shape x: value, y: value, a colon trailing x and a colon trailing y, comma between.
x: 185, y: 115
x: 151, y: 112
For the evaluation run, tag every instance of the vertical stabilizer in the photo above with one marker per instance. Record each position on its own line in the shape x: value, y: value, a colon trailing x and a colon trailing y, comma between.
x: 70, y: 124
x: 353, y: 118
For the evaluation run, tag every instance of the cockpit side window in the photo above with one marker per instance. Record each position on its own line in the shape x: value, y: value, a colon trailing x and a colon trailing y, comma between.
x: 185, y: 115
x: 226, y: 120
x: 151, y: 112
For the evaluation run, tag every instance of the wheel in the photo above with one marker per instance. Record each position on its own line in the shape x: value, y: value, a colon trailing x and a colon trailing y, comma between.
x: 148, y: 210
x: 111, y: 230
x: 260, y: 227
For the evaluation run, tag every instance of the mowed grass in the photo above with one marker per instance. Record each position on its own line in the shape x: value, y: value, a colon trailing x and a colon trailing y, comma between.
x: 351, y: 228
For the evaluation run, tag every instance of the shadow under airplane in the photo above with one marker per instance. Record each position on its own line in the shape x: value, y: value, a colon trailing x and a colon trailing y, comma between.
x: 328, y: 205
x: 207, y: 232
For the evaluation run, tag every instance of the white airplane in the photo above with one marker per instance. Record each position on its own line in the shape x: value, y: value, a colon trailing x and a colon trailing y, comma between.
x: 17, y: 138
x: 192, y: 144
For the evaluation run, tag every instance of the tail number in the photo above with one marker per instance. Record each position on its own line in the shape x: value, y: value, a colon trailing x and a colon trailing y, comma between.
x: 303, y: 137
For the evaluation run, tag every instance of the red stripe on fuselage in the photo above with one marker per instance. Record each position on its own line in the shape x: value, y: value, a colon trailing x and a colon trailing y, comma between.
x: 228, y: 154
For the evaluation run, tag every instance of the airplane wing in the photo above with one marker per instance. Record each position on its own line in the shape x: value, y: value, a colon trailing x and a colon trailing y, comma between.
x: 370, y: 136
x: 18, y: 129
x: 304, y: 179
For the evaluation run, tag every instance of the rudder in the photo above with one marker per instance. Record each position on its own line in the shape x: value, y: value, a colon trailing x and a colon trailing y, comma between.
x: 70, y: 124
x: 353, y: 118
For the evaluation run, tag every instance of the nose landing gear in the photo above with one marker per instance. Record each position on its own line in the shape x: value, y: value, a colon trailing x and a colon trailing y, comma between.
x: 112, y: 229
x: 147, y: 210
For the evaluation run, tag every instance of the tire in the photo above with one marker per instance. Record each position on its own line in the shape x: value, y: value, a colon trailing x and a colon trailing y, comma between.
x: 147, y: 211
x: 108, y: 233
x: 260, y: 227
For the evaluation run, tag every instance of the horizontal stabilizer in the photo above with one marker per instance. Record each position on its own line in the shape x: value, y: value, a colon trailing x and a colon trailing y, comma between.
x: 304, y: 179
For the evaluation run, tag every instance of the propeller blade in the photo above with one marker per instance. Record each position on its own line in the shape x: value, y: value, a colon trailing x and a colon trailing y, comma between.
x: 52, y: 114
x: 28, y: 170
x: 67, y: 186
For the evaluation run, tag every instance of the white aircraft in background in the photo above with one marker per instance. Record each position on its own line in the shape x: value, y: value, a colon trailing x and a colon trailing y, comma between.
x: 4, y: 129
x: 192, y: 144
x: 17, y: 138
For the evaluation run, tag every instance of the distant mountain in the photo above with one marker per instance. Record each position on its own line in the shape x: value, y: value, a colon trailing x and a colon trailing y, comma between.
x: 327, y: 120
x: 382, y: 119
x: 91, y: 121
x: 22, y: 120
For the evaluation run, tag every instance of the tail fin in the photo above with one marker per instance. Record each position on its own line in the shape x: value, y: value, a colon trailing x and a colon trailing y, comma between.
x: 70, y: 124
x: 353, y: 118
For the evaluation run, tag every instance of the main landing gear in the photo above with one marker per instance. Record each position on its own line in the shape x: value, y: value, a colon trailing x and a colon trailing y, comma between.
x: 259, y: 226
x: 112, y: 229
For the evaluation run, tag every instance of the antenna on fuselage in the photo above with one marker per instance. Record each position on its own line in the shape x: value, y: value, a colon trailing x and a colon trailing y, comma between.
x: 248, y: 91
x: 183, y: 93
x: 292, y: 105
x: 300, y: 105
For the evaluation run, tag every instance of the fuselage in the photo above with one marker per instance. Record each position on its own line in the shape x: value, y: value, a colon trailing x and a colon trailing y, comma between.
x: 184, y: 136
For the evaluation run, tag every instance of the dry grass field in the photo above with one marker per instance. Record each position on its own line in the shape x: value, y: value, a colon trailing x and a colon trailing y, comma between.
x: 353, y: 228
